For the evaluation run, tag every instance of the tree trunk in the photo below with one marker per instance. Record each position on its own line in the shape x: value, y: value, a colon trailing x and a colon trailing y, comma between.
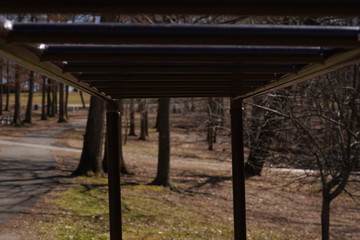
x: 7, y: 88
x: 192, y: 105
x: 49, y: 100
x: 211, y: 122
x: 16, y: 120
x: 43, y: 110
x: 123, y: 167
x: 104, y: 161
x: 163, y: 168
x: 219, y: 116
x: 142, y: 120
x: 1, y: 90
x: 174, y: 110
x: 210, y: 138
x: 157, y: 118
x: 125, y: 113
x: 91, y: 161
x: 82, y: 99
x: 259, y: 147
x: 146, y: 118
x: 30, y: 98
x: 55, y: 103
x: 325, y: 216
x: 62, y: 104
x: 187, y: 105
x: 66, y: 102
x: 222, y: 112
x: 132, y: 118
x: 214, y: 134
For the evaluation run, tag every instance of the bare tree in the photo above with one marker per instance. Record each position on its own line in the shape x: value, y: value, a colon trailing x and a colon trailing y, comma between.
x: 82, y: 99
x: 143, y: 112
x: 328, y: 124
x: 215, y: 119
x: 43, y: 110
x: 315, y: 126
x: 62, y: 117
x: 260, y: 130
x: 157, y: 117
x: 132, y: 118
x: 163, y: 169
x: 1, y: 87
x: 16, y: 119
x: 30, y: 98
x: 91, y: 156
x: 66, y: 102
x: 49, y: 99
x: 7, y: 87
x: 54, y: 98
x: 211, y: 122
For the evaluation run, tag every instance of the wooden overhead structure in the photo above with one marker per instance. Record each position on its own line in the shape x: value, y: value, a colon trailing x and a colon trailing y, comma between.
x: 175, y: 60
x: 114, y: 61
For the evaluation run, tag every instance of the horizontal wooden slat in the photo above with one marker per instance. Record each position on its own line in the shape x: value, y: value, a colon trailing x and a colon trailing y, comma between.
x: 183, y: 54
x: 190, y: 83
x: 184, y: 34
x: 163, y: 67
x: 88, y: 77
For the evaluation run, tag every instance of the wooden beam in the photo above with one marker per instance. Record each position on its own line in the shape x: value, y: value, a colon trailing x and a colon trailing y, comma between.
x: 237, y: 145
x: 186, y: 77
x: 163, y: 67
x: 174, y: 90
x: 183, y: 34
x: 118, y: 53
x: 172, y: 95
x: 113, y: 160
x: 28, y: 58
x: 186, y: 83
x: 331, y: 64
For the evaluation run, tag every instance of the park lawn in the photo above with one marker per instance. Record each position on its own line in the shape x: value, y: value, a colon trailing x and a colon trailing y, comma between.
x: 149, y: 212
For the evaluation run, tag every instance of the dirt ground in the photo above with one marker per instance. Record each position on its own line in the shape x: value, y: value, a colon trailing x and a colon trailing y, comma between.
x: 273, y: 205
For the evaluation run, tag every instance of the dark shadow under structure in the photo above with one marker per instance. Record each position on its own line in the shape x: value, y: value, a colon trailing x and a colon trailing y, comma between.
x: 115, y: 61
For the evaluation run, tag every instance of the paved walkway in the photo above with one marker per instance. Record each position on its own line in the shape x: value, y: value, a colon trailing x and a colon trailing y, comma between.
x: 28, y: 169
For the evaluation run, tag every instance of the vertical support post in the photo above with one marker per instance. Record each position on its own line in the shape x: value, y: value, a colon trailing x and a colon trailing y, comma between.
x: 113, y: 159
x: 237, y: 144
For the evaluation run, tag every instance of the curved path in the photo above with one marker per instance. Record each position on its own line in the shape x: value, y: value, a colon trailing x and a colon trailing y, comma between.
x: 28, y: 169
